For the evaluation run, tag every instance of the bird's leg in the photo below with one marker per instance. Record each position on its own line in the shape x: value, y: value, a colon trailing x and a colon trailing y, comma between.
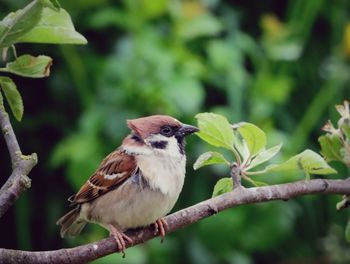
x: 120, y: 239
x: 160, y: 227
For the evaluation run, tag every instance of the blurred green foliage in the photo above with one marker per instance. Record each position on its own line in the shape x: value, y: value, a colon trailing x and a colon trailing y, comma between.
x: 281, y: 65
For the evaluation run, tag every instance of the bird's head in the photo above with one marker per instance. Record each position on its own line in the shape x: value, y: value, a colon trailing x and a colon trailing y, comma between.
x: 161, y: 132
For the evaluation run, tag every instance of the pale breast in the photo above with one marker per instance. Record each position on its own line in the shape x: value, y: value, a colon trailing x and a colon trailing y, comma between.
x: 133, y: 204
x: 145, y: 197
x: 163, y: 172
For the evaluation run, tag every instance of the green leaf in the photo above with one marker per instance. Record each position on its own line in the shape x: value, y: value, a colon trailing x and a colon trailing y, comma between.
x: 255, y: 183
x: 223, y: 185
x: 209, y: 158
x: 253, y: 136
x: 13, y: 97
x: 54, y: 28
x: 331, y: 147
x: 308, y: 161
x: 30, y: 66
x: 264, y: 156
x: 240, y: 144
x: 215, y: 130
x: 345, y: 127
x: 53, y: 4
x: 347, y: 232
x: 259, y: 183
x: 17, y: 24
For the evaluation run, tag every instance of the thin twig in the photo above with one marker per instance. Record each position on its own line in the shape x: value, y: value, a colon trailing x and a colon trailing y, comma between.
x: 18, y: 181
x: 180, y: 219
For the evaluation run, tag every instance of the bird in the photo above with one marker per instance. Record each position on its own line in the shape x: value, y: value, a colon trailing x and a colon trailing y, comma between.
x: 137, y: 184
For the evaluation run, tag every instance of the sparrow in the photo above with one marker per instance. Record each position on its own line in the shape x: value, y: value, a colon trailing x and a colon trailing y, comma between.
x: 137, y: 184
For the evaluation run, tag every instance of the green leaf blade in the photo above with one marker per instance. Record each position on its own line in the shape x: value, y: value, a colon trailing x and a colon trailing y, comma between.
x: 308, y: 161
x: 256, y: 183
x: 54, y: 27
x: 215, y: 130
x: 30, y: 66
x: 253, y: 136
x: 53, y: 4
x: 264, y: 156
x: 345, y: 128
x: 209, y: 158
x: 13, y: 97
x: 222, y: 186
x: 331, y: 147
x: 17, y: 24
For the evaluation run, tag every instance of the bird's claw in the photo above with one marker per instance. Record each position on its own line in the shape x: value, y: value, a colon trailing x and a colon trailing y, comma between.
x: 160, y: 227
x: 120, y: 239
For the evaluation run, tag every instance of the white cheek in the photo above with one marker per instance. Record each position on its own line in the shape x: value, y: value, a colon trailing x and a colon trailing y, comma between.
x: 165, y: 168
x: 173, y: 147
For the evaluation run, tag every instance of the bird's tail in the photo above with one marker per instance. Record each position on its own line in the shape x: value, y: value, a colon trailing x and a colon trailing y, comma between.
x: 70, y: 223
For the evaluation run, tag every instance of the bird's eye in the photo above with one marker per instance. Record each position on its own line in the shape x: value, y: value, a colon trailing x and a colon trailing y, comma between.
x: 166, y: 131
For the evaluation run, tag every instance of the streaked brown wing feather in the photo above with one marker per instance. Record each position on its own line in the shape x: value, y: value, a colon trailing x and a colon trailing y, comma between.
x: 113, y: 171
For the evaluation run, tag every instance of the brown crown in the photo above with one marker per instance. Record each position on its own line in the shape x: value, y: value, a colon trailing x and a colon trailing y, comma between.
x: 145, y: 126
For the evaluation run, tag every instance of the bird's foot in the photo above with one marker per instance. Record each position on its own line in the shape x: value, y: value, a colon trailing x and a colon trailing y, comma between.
x: 120, y: 239
x: 161, y: 227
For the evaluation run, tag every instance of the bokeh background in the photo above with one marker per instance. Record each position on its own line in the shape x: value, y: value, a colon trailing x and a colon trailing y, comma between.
x: 281, y: 65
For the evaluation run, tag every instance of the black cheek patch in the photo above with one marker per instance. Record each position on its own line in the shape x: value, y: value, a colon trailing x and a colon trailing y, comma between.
x: 159, y: 144
x: 181, y: 144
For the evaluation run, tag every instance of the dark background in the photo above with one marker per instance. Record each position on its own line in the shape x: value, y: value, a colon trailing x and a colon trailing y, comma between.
x: 281, y: 65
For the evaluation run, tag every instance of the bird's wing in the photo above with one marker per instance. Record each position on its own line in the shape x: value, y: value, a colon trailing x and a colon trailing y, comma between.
x: 114, y: 170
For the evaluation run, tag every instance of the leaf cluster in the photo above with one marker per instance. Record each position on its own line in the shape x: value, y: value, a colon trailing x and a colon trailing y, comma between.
x: 247, y: 144
x: 335, y: 146
x: 41, y: 21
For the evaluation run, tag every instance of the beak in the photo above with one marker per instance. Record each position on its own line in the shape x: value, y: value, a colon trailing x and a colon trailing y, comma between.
x: 186, y: 130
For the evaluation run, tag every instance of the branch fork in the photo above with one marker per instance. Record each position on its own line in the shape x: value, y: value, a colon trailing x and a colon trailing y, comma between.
x: 18, y: 181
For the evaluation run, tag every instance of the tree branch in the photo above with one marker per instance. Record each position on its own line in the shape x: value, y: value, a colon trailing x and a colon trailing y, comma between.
x: 182, y: 218
x: 18, y: 181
